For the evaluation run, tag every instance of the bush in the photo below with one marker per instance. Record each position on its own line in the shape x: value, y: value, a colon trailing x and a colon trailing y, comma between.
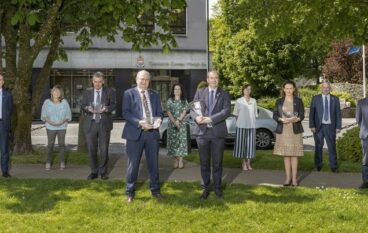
x: 348, y: 146
x: 307, y: 93
x: 267, y: 102
x: 345, y: 96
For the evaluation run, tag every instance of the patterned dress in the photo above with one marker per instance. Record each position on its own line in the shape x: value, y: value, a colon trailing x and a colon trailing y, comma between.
x: 287, y: 143
x: 177, y: 139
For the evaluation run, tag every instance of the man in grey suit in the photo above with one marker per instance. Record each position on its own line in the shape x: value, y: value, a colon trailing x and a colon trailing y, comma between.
x: 362, y: 120
x: 98, y: 103
x: 325, y: 123
x: 211, y: 132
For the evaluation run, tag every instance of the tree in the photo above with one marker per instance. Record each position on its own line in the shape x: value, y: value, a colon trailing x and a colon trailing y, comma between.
x: 340, y: 66
x: 242, y: 58
x: 316, y: 23
x: 29, y: 26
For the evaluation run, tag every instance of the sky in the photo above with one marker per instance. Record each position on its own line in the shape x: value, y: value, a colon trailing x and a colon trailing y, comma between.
x: 212, y: 2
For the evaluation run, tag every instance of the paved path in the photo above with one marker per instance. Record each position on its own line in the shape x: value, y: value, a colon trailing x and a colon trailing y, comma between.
x: 191, y: 172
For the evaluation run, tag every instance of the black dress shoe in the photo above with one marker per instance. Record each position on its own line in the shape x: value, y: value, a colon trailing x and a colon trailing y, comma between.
x: 364, y: 185
x: 158, y: 196
x: 334, y: 170
x: 6, y: 175
x: 104, y: 177
x: 319, y: 169
x: 92, y: 176
x: 287, y: 184
x: 220, y: 195
x: 204, y: 195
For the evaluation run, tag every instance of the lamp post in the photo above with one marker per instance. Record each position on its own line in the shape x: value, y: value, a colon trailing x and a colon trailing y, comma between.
x: 208, y: 34
x: 364, y: 81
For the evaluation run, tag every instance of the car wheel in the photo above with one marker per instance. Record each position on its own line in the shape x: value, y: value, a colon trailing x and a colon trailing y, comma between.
x: 263, y: 139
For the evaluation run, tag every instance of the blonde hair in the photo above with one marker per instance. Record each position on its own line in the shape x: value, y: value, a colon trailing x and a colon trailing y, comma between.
x: 60, y: 89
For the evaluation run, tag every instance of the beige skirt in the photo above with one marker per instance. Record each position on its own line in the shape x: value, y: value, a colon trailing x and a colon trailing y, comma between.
x: 288, y: 143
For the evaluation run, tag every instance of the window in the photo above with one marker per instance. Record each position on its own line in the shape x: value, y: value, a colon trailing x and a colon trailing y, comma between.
x: 147, y: 21
x: 179, y: 24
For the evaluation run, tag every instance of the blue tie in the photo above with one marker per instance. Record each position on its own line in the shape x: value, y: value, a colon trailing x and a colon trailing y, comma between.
x: 326, y: 112
x: 211, y: 100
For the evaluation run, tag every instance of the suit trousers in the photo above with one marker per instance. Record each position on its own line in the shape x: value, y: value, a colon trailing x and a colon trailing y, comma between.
x: 211, y: 148
x: 327, y: 132
x: 150, y: 145
x: 98, y: 138
x: 365, y: 159
x: 4, y: 148
x: 51, y: 135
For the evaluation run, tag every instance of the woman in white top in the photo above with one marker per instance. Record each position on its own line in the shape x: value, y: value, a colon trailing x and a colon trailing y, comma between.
x: 246, y: 112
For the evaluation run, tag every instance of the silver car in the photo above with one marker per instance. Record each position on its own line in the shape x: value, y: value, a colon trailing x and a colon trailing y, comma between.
x: 265, y: 129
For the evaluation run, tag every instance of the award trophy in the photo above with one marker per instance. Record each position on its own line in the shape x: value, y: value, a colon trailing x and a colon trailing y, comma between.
x: 197, y: 108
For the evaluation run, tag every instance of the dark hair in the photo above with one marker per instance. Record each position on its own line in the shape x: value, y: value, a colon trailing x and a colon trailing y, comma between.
x: 182, y: 96
x: 244, y: 87
x: 295, y: 93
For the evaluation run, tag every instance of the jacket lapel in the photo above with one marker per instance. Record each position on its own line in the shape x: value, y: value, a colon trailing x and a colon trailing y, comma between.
x: 138, y: 101
x: 217, y: 97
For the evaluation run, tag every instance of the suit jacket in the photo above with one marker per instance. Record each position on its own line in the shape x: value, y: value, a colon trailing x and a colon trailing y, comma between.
x: 109, y: 101
x: 220, y: 112
x: 298, y: 107
x: 362, y: 117
x: 133, y: 112
x: 7, y: 109
x: 316, y: 112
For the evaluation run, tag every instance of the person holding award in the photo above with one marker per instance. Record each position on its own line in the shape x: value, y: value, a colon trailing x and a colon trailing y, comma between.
x: 142, y: 112
x: 289, y: 113
x: 211, y: 107
x: 97, y: 104
x: 177, y: 130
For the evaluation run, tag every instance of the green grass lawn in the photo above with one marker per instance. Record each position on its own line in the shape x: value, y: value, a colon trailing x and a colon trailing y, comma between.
x: 265, y: 159
x: 32, y: 205
x: 39, y: 157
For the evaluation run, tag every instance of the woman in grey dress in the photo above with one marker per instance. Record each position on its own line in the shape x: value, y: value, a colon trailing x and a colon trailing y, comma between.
x: 177, y: 131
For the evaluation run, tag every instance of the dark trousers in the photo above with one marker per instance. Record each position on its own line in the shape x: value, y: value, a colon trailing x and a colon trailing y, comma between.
x: 51, y: 135
x: 4, y: 148
x: 211, y: 149
x: 98, y: 137
x: 327, y: 132
x: 365, y: 159
x: 150, y: 145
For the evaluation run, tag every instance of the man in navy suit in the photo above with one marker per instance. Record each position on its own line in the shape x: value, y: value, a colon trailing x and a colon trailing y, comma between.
x: 362, y: 120
x: 6, y: 107
x: 325, y: 123
x: 143, y: 114
x: 211, y: 132
x: 98, y: 103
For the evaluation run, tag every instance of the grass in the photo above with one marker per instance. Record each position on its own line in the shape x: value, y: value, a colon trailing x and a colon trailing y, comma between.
x: 39, y: 157
x: 33, y: 205
x: 265, y: 159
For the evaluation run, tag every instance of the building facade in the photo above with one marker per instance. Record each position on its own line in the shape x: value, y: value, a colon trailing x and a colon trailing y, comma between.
x: 186, y: 64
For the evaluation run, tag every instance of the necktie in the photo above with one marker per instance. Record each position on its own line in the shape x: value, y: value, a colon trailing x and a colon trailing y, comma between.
x: 98, y: 107
x: 146, y: 108
x: 211, y: 101
x: 326, y: 111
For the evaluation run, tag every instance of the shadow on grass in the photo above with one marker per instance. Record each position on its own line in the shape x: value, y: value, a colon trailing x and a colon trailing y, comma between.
x: 32, y: 195
x: 188, y: 196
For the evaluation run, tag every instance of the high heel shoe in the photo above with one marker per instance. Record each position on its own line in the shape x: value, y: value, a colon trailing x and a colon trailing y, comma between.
x: 176, y: 163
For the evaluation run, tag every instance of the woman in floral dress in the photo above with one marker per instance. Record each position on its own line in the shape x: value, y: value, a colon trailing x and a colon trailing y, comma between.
x: 177, y: 132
